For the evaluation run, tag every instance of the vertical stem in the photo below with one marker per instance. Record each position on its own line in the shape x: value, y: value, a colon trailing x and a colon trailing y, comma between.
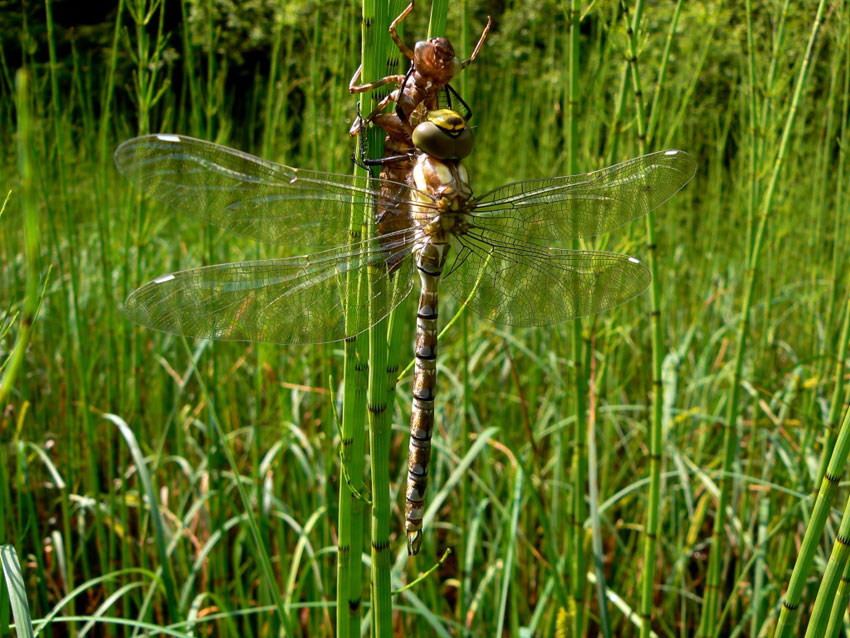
x: 824, y: 499
x: 462, y: 556
x: 837, y: 264
x: 656, y: 442
x: 379, y: 440
x: 829, y: 584
x: 104, y: 220
x: 578, y: 579
x: 375, y: 38
x: 665, y: 57
x: 349, y: 567
x: 269, y: 125
x: 209, y: 102
x: 32, y: 240
x: 760, y: 565
x: 593, y: 490
x: 839, y: 605
x: 77, y: 360
x: 352, y: 444
x: 437, y: 21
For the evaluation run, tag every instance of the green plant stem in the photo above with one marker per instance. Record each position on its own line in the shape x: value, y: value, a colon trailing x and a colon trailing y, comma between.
x: 656, y: 435
x: 578, y: 578
x: 352, y: 457
x: 824, y: 498
x: 708, y: 617
x: 32, y: 239
x: 659, y: 83
x: 828, y: 439
x: 759, y: 564
x: 375, y: 23
x: 465, y: 576
x: 842, y: 594
x: 437, y: 21
x: 379, y: 444
x: 353, y: 440
x: 839, y: 605
x: 832, y: 575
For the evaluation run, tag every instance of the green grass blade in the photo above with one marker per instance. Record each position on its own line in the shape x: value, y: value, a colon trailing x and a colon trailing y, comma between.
x: 510, y: 548
x: 14, y: 579
x: 150, y: 495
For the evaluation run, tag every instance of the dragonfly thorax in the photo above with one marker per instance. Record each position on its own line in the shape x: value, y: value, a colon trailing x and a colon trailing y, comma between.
x: 434, y: 61
x: 443, y: 199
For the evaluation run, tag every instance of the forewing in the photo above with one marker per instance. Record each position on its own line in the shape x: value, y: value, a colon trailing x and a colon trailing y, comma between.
x: 251, y: 196
x: 289, y: 301
x: 561, y: 208
x: 520, y: 284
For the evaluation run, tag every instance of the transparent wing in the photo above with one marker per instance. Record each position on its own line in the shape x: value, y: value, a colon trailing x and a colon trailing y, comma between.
x: 288, y: 301
x: 520, y: 284
x: 251, y: 196
x: 561, y: 208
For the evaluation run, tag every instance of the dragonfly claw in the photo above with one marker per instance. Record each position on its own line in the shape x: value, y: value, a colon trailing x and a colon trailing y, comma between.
x: 356, y: 126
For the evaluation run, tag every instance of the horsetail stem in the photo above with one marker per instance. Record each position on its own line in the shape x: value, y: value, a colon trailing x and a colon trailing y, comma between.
x: 842, y: 595
x: 828, y: 439
x: 352, y: 457
x: 578, y: 579
x: 792, y: 597
x: 832, y: 575
x: 353, y: 441
x: 373, y: 52
x: 32, y: 236
x: 656, y: 436
x: 839, y: 605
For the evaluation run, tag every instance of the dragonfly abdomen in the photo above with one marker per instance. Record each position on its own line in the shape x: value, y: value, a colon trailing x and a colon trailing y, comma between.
x: 430, y: 260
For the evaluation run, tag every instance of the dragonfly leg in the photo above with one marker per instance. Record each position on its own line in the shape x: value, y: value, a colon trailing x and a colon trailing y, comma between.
x: 360, y: 163
x: 478, y: 46
x: 353, y: 87
x: 399, y: 108
x: 396, y: 133
x: 361, y: 145
x: 394, y: 35
x: 359, y: 123
x: 398, y: 128
x: 449, y: 92
x: 366, y: 162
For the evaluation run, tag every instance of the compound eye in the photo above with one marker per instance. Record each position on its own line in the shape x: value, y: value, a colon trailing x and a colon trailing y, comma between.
x: 464, y: 143
x: 420, y: 48
x: 432, y: 140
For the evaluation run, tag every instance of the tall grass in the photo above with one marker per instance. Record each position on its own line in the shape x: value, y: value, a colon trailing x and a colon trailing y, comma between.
x: 578, y: 442
x: 751, y: 417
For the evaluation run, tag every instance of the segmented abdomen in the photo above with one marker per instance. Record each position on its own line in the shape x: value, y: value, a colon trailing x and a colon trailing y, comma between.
x: 429, y: 262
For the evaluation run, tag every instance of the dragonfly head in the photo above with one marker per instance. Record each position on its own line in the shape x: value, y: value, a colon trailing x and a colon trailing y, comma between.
x: 435, y: 59
x: 444, y: 135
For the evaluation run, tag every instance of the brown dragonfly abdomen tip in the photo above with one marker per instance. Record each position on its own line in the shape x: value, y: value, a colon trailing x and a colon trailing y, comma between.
x: 414, y: 541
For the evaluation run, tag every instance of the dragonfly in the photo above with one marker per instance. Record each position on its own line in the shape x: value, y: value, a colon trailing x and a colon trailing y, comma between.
x: 501, y: 253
